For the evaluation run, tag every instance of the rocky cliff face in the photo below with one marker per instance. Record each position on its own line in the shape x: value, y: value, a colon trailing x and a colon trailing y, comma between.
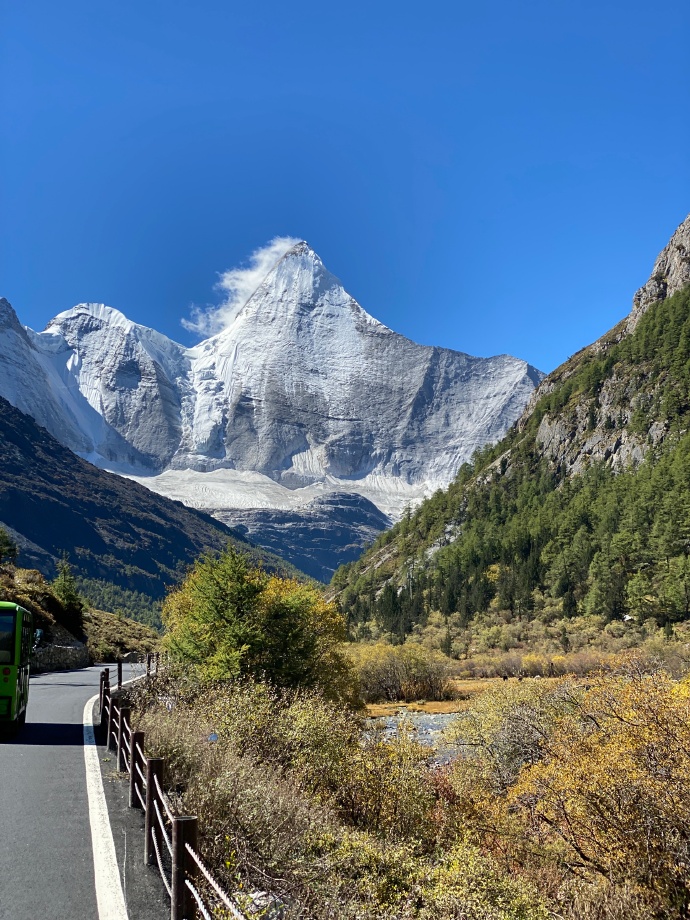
x: 583, y: 431
x: 304, y: 394
x: 317, y: 537
x: 671, y: 273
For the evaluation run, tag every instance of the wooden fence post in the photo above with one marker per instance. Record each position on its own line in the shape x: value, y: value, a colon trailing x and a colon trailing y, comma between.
x: 112, y: 709
x: 154, y: 767
x: 148, y: 664
x: 134, y: 778
x: 184, y: 831
x: 105, y: 697
x: 119, y: 674
x: 122, y: 726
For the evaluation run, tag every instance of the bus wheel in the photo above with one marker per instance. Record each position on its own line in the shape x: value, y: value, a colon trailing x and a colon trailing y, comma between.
x: 21, y: 721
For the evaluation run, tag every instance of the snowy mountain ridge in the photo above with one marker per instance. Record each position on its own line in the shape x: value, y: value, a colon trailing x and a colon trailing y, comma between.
x: 302, y: 395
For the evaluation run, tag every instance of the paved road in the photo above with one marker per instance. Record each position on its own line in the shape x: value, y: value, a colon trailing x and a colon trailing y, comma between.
x: 46, y: 858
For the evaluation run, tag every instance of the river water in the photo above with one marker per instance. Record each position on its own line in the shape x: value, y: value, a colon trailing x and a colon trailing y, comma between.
x: 428, y: 729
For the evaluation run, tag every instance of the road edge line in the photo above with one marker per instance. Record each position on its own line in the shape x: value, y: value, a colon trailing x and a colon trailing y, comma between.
x: 109, y: 894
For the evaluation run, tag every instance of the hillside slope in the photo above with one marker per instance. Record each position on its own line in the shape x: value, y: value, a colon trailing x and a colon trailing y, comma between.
x: 583, y: 509
x: 114, y: 530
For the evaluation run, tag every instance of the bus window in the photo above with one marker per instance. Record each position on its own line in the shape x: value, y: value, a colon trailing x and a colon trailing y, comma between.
x: 7, y: 638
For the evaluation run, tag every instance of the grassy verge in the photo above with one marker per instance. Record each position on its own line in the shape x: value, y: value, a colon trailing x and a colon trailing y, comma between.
x: 294, y: 798
x: 465, y: 692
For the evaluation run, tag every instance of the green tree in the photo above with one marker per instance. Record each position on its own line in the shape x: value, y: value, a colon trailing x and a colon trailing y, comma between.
x: 229, y: 619
x: 65, y: 587
x: 8, y: 548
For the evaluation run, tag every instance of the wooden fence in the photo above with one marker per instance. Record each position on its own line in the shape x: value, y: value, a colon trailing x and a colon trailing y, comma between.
x: 171, y: 840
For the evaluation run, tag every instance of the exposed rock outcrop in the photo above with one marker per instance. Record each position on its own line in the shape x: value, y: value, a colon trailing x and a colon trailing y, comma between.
x: 671, y: 272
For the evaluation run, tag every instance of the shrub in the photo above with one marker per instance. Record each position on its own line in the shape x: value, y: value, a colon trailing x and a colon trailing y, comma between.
x: 401, y: 673
x: 587, y: 781
x: 613, y: 785
x: 8, y: 548
x: 294, y: 800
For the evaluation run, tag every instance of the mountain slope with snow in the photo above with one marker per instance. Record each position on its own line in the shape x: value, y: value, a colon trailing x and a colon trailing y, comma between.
x: 303, y: 389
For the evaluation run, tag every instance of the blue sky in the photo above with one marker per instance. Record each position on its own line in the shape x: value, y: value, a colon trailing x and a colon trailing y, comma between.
x: 492, y: 177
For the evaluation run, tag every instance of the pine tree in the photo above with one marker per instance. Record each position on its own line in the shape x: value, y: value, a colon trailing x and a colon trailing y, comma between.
x: 65, y: 587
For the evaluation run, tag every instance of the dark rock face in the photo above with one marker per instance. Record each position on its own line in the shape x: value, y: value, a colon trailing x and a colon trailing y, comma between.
x: 326, y: 533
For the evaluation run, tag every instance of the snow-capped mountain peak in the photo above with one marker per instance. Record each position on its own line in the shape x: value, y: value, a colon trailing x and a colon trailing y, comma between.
x: 299, y: 283
x: 302, y: 388
x: 99, y: 312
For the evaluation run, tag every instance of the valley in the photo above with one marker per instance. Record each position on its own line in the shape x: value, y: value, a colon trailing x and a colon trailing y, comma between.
x: 345, y: 461
x: 521, y: 637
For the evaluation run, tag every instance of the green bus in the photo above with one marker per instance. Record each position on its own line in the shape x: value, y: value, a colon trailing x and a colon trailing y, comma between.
x: 16, y: 642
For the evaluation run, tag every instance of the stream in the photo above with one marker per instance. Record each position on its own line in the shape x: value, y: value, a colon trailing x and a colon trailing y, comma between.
x: 428, y: 726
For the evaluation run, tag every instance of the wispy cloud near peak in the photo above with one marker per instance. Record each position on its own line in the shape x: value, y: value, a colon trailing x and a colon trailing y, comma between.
x: 238, y: 285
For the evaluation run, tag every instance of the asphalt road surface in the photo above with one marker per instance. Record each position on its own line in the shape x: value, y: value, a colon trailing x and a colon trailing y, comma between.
x: 46, y: 854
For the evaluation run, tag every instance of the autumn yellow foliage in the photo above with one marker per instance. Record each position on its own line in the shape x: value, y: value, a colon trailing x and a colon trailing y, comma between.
x: 588, y: 780
x: 613, y: 790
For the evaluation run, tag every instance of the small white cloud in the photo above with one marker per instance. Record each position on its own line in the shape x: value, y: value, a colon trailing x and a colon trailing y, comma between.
x: 238, y: 285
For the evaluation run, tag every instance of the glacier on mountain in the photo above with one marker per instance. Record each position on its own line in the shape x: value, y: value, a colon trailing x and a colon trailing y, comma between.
x: 304, y: 395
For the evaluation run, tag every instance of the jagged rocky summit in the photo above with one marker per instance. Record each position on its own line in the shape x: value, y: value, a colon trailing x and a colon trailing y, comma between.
x: 670, y: 274
x: 302, y: 398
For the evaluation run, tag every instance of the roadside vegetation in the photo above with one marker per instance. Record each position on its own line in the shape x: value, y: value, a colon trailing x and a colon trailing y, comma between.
x: 296, y: 799
x: 230, y: 619
x: 56, y: 606
x: 564, y: 798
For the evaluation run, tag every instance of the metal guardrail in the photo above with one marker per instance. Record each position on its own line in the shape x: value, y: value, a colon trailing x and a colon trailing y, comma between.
x: 171, y: 840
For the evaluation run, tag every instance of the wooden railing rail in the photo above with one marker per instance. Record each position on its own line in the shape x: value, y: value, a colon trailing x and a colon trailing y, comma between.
x: 170, y: 840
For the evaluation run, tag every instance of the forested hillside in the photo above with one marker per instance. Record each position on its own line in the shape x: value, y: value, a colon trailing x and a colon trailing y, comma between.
x: 578, y: 519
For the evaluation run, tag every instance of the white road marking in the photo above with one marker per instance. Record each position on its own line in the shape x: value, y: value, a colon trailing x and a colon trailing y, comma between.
x: 109, y: 896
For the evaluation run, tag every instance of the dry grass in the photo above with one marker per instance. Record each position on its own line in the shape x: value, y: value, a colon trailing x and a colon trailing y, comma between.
x: 469, y: 688
x: 292, y: 799
x: 378, y: 710
x: 111, y: 636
